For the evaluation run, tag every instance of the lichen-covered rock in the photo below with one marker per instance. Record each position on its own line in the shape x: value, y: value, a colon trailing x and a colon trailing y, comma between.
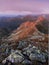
x: 33, y: 57
x: 30, y: 49
x: 15, y: 57
x: 27, y: 56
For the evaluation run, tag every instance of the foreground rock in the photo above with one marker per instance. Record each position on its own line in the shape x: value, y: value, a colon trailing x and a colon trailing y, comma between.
x: 35, y: 54
x: 22, y: 44
x: 38, y: 57
x: 27, y: 56
x: 15, y: 57
x: 26, y: 62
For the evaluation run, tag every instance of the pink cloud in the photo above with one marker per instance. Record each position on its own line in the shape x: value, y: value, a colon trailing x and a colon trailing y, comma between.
x: 23, y: 5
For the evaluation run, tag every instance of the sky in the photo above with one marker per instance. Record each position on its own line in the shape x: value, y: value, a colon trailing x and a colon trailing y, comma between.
x: 24, y: 6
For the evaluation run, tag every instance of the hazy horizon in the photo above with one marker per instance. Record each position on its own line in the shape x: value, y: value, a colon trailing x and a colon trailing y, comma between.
x: 24, y: 6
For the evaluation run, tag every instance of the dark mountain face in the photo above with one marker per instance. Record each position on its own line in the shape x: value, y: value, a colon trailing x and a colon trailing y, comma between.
x: 8, y: 24
x: 14, y: 22
x: 43, y: 27
x: 3, y: 32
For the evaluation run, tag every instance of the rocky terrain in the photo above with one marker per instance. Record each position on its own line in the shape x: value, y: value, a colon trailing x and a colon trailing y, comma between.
x: 26, y: 44
x: 30, y: 55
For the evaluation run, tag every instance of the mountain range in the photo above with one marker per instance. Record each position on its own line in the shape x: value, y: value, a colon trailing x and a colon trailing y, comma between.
x: 10, y: 24
x: 28, y: 28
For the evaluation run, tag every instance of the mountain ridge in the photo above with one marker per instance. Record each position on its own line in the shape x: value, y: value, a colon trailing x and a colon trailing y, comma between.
x: 25, y: 29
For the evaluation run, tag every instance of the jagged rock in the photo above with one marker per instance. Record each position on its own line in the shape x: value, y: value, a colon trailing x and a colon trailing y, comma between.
x: 37, y: 57
x: 34, y: 53
x: 41, y: 58
x: 27, y: 50
x: 30, y: 49
x: 45, y: 54
x: 27, y: 56
x: 32, y: 56
x: 26, y: 62
x: 22, y: 44
x: 29, y: 46
x: 15, y: 57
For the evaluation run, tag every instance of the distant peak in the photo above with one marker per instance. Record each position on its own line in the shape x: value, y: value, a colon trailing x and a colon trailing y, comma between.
x: 41, y: 18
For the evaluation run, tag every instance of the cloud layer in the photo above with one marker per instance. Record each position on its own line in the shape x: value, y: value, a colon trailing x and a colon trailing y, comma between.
x: 34, y: 6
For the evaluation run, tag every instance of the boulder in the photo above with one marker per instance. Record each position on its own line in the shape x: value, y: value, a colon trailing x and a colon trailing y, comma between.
x: 30, y: 49
x: 15, y: 57
x: 41, y: 58
x: 33, y: 57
